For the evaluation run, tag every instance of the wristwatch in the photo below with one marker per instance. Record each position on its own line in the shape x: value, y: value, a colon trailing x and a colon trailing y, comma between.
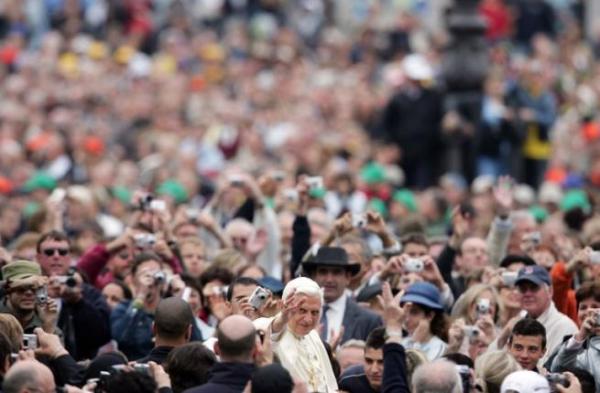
x: 389, y: 333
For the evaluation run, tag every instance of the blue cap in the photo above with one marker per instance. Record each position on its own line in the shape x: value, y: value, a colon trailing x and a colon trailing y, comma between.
x: 272, y: 284
x: 424, y: 294
x: 535, y: 274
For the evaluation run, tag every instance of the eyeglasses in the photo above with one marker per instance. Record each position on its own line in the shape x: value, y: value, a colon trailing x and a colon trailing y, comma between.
x: 51, y: 251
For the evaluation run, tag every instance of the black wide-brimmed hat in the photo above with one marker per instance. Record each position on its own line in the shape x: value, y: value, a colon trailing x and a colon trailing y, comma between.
x: 330, y: 256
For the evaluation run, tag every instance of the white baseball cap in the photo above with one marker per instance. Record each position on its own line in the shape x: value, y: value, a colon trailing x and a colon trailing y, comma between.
x: 525, y: 381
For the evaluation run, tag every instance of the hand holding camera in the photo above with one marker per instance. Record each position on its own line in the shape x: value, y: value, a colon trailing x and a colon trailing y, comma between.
x: 46, y: 344
x: 590, y: 325
x: 48, y: 313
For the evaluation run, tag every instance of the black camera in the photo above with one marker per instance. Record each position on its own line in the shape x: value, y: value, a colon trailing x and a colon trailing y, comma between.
x: 159, y: 278
x: 145, y: 202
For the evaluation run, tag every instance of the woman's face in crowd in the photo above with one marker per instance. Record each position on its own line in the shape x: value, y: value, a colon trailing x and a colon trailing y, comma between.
x: 586, y: 307
x: 413, y: 315
x: 113, y: 294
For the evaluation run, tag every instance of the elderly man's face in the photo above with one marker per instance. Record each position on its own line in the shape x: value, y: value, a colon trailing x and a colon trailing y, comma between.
x: 535, y: 299
x: 306, y: 317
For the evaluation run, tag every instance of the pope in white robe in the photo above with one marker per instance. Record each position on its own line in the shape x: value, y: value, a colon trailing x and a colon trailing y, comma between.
x: 295, y: 340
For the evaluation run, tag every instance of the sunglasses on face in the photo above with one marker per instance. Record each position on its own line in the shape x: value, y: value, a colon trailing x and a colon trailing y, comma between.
x: 24, y: 288
x: 51, y: 251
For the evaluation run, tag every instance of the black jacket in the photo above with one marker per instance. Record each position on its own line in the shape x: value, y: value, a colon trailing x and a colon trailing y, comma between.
x: 85, y: 324
x: 394, y: 369
x: 226, y: 378
x: 157, y: 355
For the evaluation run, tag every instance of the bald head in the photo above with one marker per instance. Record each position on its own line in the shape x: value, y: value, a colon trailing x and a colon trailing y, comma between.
x: 28, y: 376
x: 439, y: 376
x: 236, y: 338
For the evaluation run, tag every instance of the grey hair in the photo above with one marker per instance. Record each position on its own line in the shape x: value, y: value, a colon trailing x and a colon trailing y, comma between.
x: 16, y: 381
x: 354, y: 343
x: 439, y: 376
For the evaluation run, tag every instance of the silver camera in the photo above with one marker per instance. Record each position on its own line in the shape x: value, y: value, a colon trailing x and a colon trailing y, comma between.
x: 483, y: 306
x: 30, y: 341
x: 509, y: 278
x: 597, y: 318
x: 472, y: 333
x: 192, y: 213
x: 314, y: 182
x: 359, y: 220
x: 414, y: 265
x: 41, y: 295
x: 258, y: 298
x: 141, y: 368
x: 144, y: 240
x: 158, y: 205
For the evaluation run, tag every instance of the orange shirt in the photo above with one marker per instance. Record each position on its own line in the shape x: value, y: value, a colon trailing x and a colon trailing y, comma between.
x: 563, y: 295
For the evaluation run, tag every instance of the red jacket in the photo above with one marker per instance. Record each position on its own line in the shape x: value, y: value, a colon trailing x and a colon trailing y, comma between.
x: 564, y: 295
x: 93, y: 264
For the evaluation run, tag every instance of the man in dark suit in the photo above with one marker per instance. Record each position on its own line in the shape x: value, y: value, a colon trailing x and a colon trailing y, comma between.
x: 331, y: 270
x: 172, y: 328
x: 236, y: 346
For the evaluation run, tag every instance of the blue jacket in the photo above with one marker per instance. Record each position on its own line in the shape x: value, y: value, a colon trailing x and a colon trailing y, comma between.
x: 226, y: 378
x: 131, y: 328
x: 354, y: 380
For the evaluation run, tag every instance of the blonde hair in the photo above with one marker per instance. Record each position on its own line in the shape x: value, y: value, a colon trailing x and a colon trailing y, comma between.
x: 492, y: 367
x: 10, y: 326
x: 414, y: 358
x: 196, y: 241
x: 463, y: 305
x: 229, y: 259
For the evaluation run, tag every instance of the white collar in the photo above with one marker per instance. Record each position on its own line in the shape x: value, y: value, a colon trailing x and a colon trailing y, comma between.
x: 339, y: 303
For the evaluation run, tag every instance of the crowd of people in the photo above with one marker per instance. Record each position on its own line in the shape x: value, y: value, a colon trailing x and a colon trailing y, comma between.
x: 279, y: 196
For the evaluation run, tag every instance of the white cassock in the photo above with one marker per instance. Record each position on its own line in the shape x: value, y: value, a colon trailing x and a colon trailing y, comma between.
x: 304, y: 357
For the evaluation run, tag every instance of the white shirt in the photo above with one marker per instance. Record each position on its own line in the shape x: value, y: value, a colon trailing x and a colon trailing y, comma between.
x: 335, y: 315
x: 557, y: 325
